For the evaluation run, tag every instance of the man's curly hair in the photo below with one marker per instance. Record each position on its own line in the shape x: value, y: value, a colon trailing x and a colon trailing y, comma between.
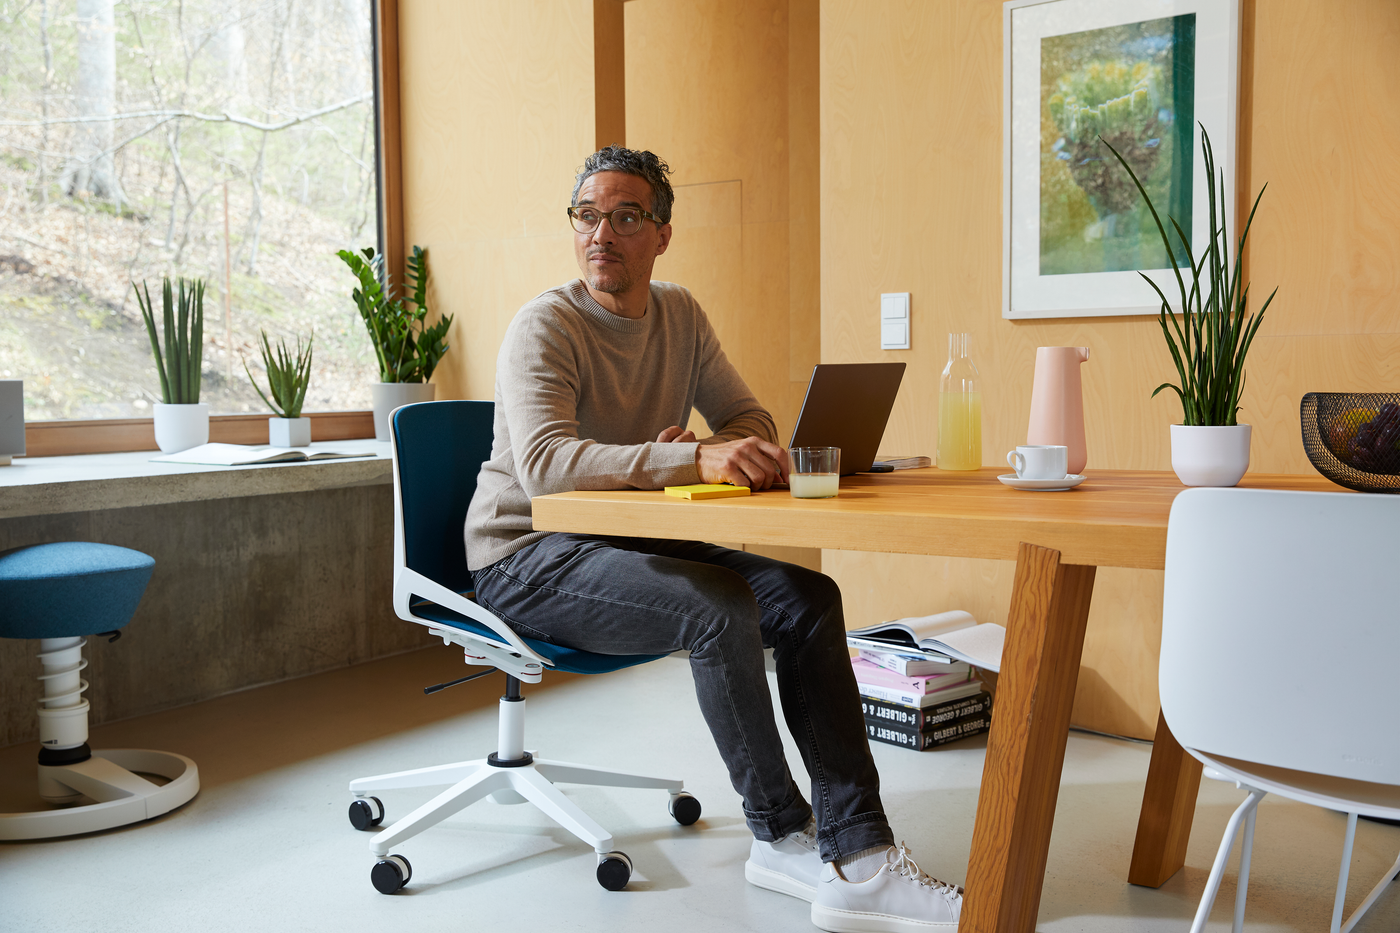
x: 644, y: 164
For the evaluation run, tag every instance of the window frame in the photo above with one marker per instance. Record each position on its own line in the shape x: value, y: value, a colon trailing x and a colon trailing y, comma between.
x: 111, y: 435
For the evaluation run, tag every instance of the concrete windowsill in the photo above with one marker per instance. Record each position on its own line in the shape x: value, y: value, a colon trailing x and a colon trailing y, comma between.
x: 88, y: 482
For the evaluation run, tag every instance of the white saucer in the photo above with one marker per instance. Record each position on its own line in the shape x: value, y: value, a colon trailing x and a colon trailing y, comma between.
x: 1042, y: 485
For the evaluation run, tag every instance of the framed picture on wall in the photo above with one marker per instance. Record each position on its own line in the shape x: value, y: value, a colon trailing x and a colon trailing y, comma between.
x: 1143, y: 75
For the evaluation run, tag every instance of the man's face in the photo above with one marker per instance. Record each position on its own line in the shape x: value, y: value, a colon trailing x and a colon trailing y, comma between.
x: 610, y: 263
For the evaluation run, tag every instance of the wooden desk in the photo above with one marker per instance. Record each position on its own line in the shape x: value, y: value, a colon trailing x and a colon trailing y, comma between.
x: 1115, y: 519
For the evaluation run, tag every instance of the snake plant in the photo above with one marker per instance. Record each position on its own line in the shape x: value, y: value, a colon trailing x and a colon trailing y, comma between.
x: 1211, y: 336
x: 179, y: 364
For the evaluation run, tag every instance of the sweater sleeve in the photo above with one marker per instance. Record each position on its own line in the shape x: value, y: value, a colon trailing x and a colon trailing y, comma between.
x: 538, y: 369
x: 722, y: 397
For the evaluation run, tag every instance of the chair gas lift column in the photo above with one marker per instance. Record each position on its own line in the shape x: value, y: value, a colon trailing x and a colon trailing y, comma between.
x: 438, y: 449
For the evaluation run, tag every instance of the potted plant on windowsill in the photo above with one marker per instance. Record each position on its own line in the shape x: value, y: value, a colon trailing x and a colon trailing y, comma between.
x: 288, y: 376
x: 181, y: 419
x: 406, y: 347
x: 1208, y: 342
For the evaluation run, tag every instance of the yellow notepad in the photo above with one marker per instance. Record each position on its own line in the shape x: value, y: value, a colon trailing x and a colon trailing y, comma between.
x: 706, y: 491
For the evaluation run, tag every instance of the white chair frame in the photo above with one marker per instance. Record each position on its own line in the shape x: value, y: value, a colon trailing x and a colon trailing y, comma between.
x: 1251, y: 577
x: 511, y: 775
x: 1258, y: 786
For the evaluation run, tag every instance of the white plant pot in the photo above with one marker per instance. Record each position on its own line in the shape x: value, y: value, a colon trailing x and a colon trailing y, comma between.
x: 180, y: 427
x: 289, y: 432
x: 390, y: 395
x: 1210, y: 456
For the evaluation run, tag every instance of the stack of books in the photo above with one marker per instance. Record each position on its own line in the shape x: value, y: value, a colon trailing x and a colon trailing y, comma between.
x: 916, y: 697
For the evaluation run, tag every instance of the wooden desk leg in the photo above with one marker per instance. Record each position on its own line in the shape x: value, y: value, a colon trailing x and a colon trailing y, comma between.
x: 1168, y: 806
x: 1026, y: 747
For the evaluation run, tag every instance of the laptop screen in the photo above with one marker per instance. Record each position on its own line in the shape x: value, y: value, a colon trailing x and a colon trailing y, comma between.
x: 847, y: 406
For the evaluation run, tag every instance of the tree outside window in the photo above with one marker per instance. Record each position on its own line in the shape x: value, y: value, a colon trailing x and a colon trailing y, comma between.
x: 226, y: 140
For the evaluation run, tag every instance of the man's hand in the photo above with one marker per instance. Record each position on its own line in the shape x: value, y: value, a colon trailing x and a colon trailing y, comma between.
x: 749, y: 462
x: 675, y: 435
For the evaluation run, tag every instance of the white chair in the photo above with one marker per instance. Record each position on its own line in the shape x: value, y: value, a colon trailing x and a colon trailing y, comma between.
x: 1262, y: 587
x: 438, y: 449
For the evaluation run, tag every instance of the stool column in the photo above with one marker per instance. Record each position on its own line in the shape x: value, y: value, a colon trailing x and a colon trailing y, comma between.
x: 63, y: 713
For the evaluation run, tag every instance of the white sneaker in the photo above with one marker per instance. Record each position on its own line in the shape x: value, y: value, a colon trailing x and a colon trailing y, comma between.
x: 899, y: 898
x: 789, y: 866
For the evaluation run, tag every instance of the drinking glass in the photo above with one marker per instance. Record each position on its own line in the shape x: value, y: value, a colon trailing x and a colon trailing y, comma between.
x: 814, y: 472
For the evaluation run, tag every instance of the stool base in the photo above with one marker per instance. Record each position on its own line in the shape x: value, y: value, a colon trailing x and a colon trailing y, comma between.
x: 122, y: 796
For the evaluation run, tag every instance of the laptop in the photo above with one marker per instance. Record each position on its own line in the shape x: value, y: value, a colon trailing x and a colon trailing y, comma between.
x: 847, y: 406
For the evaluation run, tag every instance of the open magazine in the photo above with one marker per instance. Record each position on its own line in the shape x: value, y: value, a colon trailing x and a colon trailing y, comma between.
x: 241, y: 455
x: 954, y: 635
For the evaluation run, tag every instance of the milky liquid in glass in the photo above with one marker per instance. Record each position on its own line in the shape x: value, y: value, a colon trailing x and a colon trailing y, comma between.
x: 959, y: 409
x: 814, y: 485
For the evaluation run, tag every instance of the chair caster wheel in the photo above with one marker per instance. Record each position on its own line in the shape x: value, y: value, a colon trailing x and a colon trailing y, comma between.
x: 613, y: 870
x: 390, y: 873
x: 366, y: 812
x: 684, y: 808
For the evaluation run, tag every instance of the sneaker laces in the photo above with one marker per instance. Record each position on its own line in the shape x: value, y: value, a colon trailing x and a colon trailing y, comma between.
x: 901, y: 863
x: 807, y: 835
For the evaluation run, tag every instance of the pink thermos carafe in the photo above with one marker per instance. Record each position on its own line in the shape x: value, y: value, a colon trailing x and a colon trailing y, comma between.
x: 1057, y: 402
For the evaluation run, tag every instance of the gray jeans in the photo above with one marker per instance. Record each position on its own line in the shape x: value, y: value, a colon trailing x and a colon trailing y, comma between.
x: 649, y: 596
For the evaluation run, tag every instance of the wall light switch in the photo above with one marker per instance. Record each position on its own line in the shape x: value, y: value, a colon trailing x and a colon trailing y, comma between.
x: 894, y: 321
x: 894, y: 335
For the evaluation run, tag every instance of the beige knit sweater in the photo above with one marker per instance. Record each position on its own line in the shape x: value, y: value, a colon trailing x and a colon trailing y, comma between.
x: 581, y: 395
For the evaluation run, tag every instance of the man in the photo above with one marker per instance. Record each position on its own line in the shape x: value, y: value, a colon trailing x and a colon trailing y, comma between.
x: 594, y: 380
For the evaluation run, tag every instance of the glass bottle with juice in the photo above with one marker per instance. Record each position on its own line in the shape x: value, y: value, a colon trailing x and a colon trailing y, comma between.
x: 959, y: 409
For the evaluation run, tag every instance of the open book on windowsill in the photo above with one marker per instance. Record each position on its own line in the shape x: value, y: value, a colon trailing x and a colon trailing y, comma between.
x: 241, y: 455
x: 956, y: 635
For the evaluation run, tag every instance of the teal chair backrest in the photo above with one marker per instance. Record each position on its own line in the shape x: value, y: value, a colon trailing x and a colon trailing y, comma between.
x: 440, y: 448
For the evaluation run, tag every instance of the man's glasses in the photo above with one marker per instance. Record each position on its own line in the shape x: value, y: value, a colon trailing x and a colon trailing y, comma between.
x: 625, y: 221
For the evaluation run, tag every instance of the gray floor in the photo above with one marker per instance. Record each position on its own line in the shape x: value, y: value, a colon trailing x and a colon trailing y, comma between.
x: 266, y: 846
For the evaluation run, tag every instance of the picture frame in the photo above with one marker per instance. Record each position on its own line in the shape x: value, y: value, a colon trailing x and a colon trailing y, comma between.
x: 1144, y: 75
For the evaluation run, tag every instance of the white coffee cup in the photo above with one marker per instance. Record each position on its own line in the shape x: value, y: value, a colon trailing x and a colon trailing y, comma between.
x: 1039, y: 461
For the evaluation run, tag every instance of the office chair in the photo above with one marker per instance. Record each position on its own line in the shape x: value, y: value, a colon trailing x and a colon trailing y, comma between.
x: 1260, y: 586
x: 438, y: 449
x: 60, y: 594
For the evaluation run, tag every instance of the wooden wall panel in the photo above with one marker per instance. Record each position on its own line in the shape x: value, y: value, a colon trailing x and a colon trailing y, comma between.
x: 498, y: 114
x: 910, y: 171
x: 609, y: 74
x: 726, y: 92
x: 804, y: 192
x: 1326, y: 131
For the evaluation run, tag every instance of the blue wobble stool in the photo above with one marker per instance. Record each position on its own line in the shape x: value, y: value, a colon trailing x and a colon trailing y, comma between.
x: 60, y: 594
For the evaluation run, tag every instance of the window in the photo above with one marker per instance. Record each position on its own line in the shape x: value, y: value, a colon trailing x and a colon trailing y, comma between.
x: 231, y: 141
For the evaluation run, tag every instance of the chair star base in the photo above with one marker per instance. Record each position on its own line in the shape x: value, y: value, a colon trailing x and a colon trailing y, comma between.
x: 531, y: 781
x: 473, y: 780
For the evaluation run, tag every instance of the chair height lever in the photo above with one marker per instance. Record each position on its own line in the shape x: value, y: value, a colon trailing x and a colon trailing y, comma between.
x: 452, y: 683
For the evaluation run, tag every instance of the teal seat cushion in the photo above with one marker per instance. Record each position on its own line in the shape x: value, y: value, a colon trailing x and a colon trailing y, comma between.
x: 70, y: 588
x: 563, y: 659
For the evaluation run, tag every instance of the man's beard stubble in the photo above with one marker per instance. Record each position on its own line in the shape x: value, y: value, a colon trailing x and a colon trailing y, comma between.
x: 621, y: 283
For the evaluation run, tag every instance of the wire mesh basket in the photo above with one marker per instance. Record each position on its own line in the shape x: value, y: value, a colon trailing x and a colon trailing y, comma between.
x: 1353, y: 438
